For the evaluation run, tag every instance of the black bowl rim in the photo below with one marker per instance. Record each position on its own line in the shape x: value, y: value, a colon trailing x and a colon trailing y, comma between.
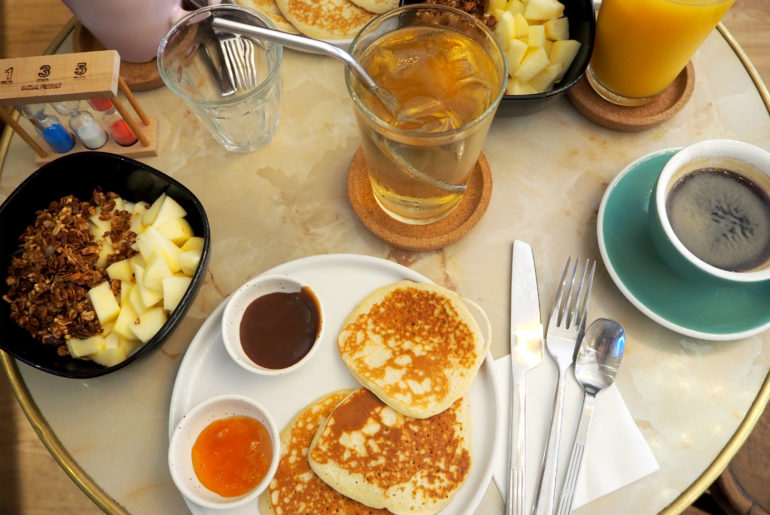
x: 184, y: 303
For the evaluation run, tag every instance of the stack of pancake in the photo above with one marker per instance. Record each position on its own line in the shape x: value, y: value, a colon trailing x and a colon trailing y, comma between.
x: 402, y: 441
x: 321, y: 19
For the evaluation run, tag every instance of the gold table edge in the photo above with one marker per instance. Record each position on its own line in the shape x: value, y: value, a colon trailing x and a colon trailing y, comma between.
x: 110, y: 505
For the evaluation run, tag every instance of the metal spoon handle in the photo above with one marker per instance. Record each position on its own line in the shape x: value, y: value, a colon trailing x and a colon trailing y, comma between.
x: 298, y: 42
x: 546, y: 493
x: 576, y: 457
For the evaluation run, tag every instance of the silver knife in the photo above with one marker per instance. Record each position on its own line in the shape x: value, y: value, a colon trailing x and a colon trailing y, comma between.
x: 526, y: 353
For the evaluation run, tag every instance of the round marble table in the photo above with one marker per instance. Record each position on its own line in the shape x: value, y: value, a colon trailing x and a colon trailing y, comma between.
x: 694, y: 401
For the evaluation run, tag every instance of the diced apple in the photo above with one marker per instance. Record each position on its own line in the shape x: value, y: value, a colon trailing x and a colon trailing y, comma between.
x: 107, y: 328
x: 136, y: 261
x: 497, y: 13
x: 149, y: 215
x: 564, y: 52
x: 536, y: 36
x: 515, y: 54
x: 168, y: 210
x: 534, y: 61
x: 135, y: 301
x: 178, y: 230
x: 504, y: 31
x: 105, y: 305
x: 189, y: 260
x: 157, y: 269
x: 152, y: 241
x: 545, y: 79
x: 557, y: 29
x: 515, y: 6
x: 521, y: 26
x: 110, y: 357
x: 174, y: 288
x: 125, y: 291
x: 543, y: 9
x: 149, y: 323
x: 83, y: 347
x: 125, y: 319
x: 148, y: 297
x: 105, y: 251
x: 98, y: 226
x: 120, y: 270
x: 517, y: 87
x: 111, y: 341
x: 496, y: 4
x: 196, y: 242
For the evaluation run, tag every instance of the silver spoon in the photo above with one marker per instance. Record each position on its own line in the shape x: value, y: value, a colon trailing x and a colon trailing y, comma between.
x: 596, y: 364
x: 387, y: 98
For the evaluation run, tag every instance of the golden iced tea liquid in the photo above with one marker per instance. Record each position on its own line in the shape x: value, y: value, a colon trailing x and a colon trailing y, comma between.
x: 443, y: 80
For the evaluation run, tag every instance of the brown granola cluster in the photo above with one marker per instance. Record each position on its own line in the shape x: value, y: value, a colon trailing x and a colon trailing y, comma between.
x: 55, y: 266
x: 477, y: 8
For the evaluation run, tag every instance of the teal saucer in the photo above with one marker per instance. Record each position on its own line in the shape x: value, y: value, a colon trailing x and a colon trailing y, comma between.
x: 694, y: 309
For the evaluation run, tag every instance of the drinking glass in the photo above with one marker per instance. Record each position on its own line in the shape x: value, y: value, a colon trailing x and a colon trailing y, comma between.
x: 642, y: 46
x: 448, y: 75
x: 192, y: 64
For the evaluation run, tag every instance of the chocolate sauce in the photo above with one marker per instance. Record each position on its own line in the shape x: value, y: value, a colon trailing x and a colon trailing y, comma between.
x: 279, y: 329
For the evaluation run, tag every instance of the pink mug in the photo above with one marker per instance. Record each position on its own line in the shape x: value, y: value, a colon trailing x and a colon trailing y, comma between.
x: 132, y: 27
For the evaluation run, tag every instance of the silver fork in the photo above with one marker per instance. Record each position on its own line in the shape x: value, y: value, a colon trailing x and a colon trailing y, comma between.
x: 239, y: 60
x: 565, y: 329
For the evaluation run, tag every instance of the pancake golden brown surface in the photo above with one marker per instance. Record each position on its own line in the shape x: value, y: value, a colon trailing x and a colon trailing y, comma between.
x: 370, y: 453
x: 325, y: 19
x: 270, y: 9
x: 295, y: 489
x: 414, y: 345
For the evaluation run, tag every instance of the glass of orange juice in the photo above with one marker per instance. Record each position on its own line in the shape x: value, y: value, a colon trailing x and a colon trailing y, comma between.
x: 448, y: 75
x: 641, y: 46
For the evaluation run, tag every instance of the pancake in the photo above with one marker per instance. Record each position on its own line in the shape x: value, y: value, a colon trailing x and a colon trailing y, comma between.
x: 325, y: 19
x: 416, y: 346
x: 370, y: 453
x: 295, y: 488
x: 270, y: 9
x: 376, y: 6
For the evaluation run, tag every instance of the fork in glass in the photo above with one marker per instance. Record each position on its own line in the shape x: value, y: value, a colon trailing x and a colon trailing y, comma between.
x: 239, y: 60
x: 565, y: 329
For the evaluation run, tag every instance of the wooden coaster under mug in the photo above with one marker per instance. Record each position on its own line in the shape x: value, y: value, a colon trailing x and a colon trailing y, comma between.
x: 637, y: 118
x: 419, y: 237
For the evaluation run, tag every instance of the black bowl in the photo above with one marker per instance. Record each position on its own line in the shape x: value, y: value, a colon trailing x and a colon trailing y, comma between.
x: 78, y: 174
x: 582, y: 27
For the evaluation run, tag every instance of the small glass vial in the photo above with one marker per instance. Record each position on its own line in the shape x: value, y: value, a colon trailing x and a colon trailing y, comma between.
x: 119, y: 129
x: 87, y: 130
x: 33, y: 112
x: 100, y: 104
x: 55, y: 134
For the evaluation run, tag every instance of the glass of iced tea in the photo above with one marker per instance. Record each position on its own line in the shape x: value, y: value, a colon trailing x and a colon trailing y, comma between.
x: 448, y: 75
x: 641, y: 47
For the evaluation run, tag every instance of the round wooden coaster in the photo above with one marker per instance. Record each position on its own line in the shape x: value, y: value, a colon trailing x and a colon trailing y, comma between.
x: 138, y: 76
x: 419, y: 237
x: 629, y: 119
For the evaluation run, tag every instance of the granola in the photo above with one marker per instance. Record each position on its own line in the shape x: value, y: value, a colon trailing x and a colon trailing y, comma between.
x: 56, y: 264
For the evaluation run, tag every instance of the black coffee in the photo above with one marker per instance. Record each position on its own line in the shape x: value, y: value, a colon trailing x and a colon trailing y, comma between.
x: 722, y: 217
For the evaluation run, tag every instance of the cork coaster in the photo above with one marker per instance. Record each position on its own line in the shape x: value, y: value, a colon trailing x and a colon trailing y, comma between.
x: 419, y: 237
x: 138, y: 76
x: 639, y: 118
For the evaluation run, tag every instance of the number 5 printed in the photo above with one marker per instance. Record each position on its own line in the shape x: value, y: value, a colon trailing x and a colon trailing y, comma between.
x: 80, y: 69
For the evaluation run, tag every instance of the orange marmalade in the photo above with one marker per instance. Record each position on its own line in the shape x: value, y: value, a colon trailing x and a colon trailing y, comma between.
x: 232, y: 455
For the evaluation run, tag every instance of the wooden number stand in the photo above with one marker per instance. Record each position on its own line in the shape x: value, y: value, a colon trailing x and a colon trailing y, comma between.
x: 61, y: 77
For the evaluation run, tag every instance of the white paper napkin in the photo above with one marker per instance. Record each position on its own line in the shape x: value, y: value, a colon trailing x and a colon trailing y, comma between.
x: 616, y: 453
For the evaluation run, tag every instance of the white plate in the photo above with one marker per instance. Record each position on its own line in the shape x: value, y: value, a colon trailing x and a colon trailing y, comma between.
x: 340, y: 281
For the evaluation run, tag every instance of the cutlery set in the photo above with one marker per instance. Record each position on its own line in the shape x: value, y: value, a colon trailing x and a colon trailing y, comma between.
x: 599, y: 351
